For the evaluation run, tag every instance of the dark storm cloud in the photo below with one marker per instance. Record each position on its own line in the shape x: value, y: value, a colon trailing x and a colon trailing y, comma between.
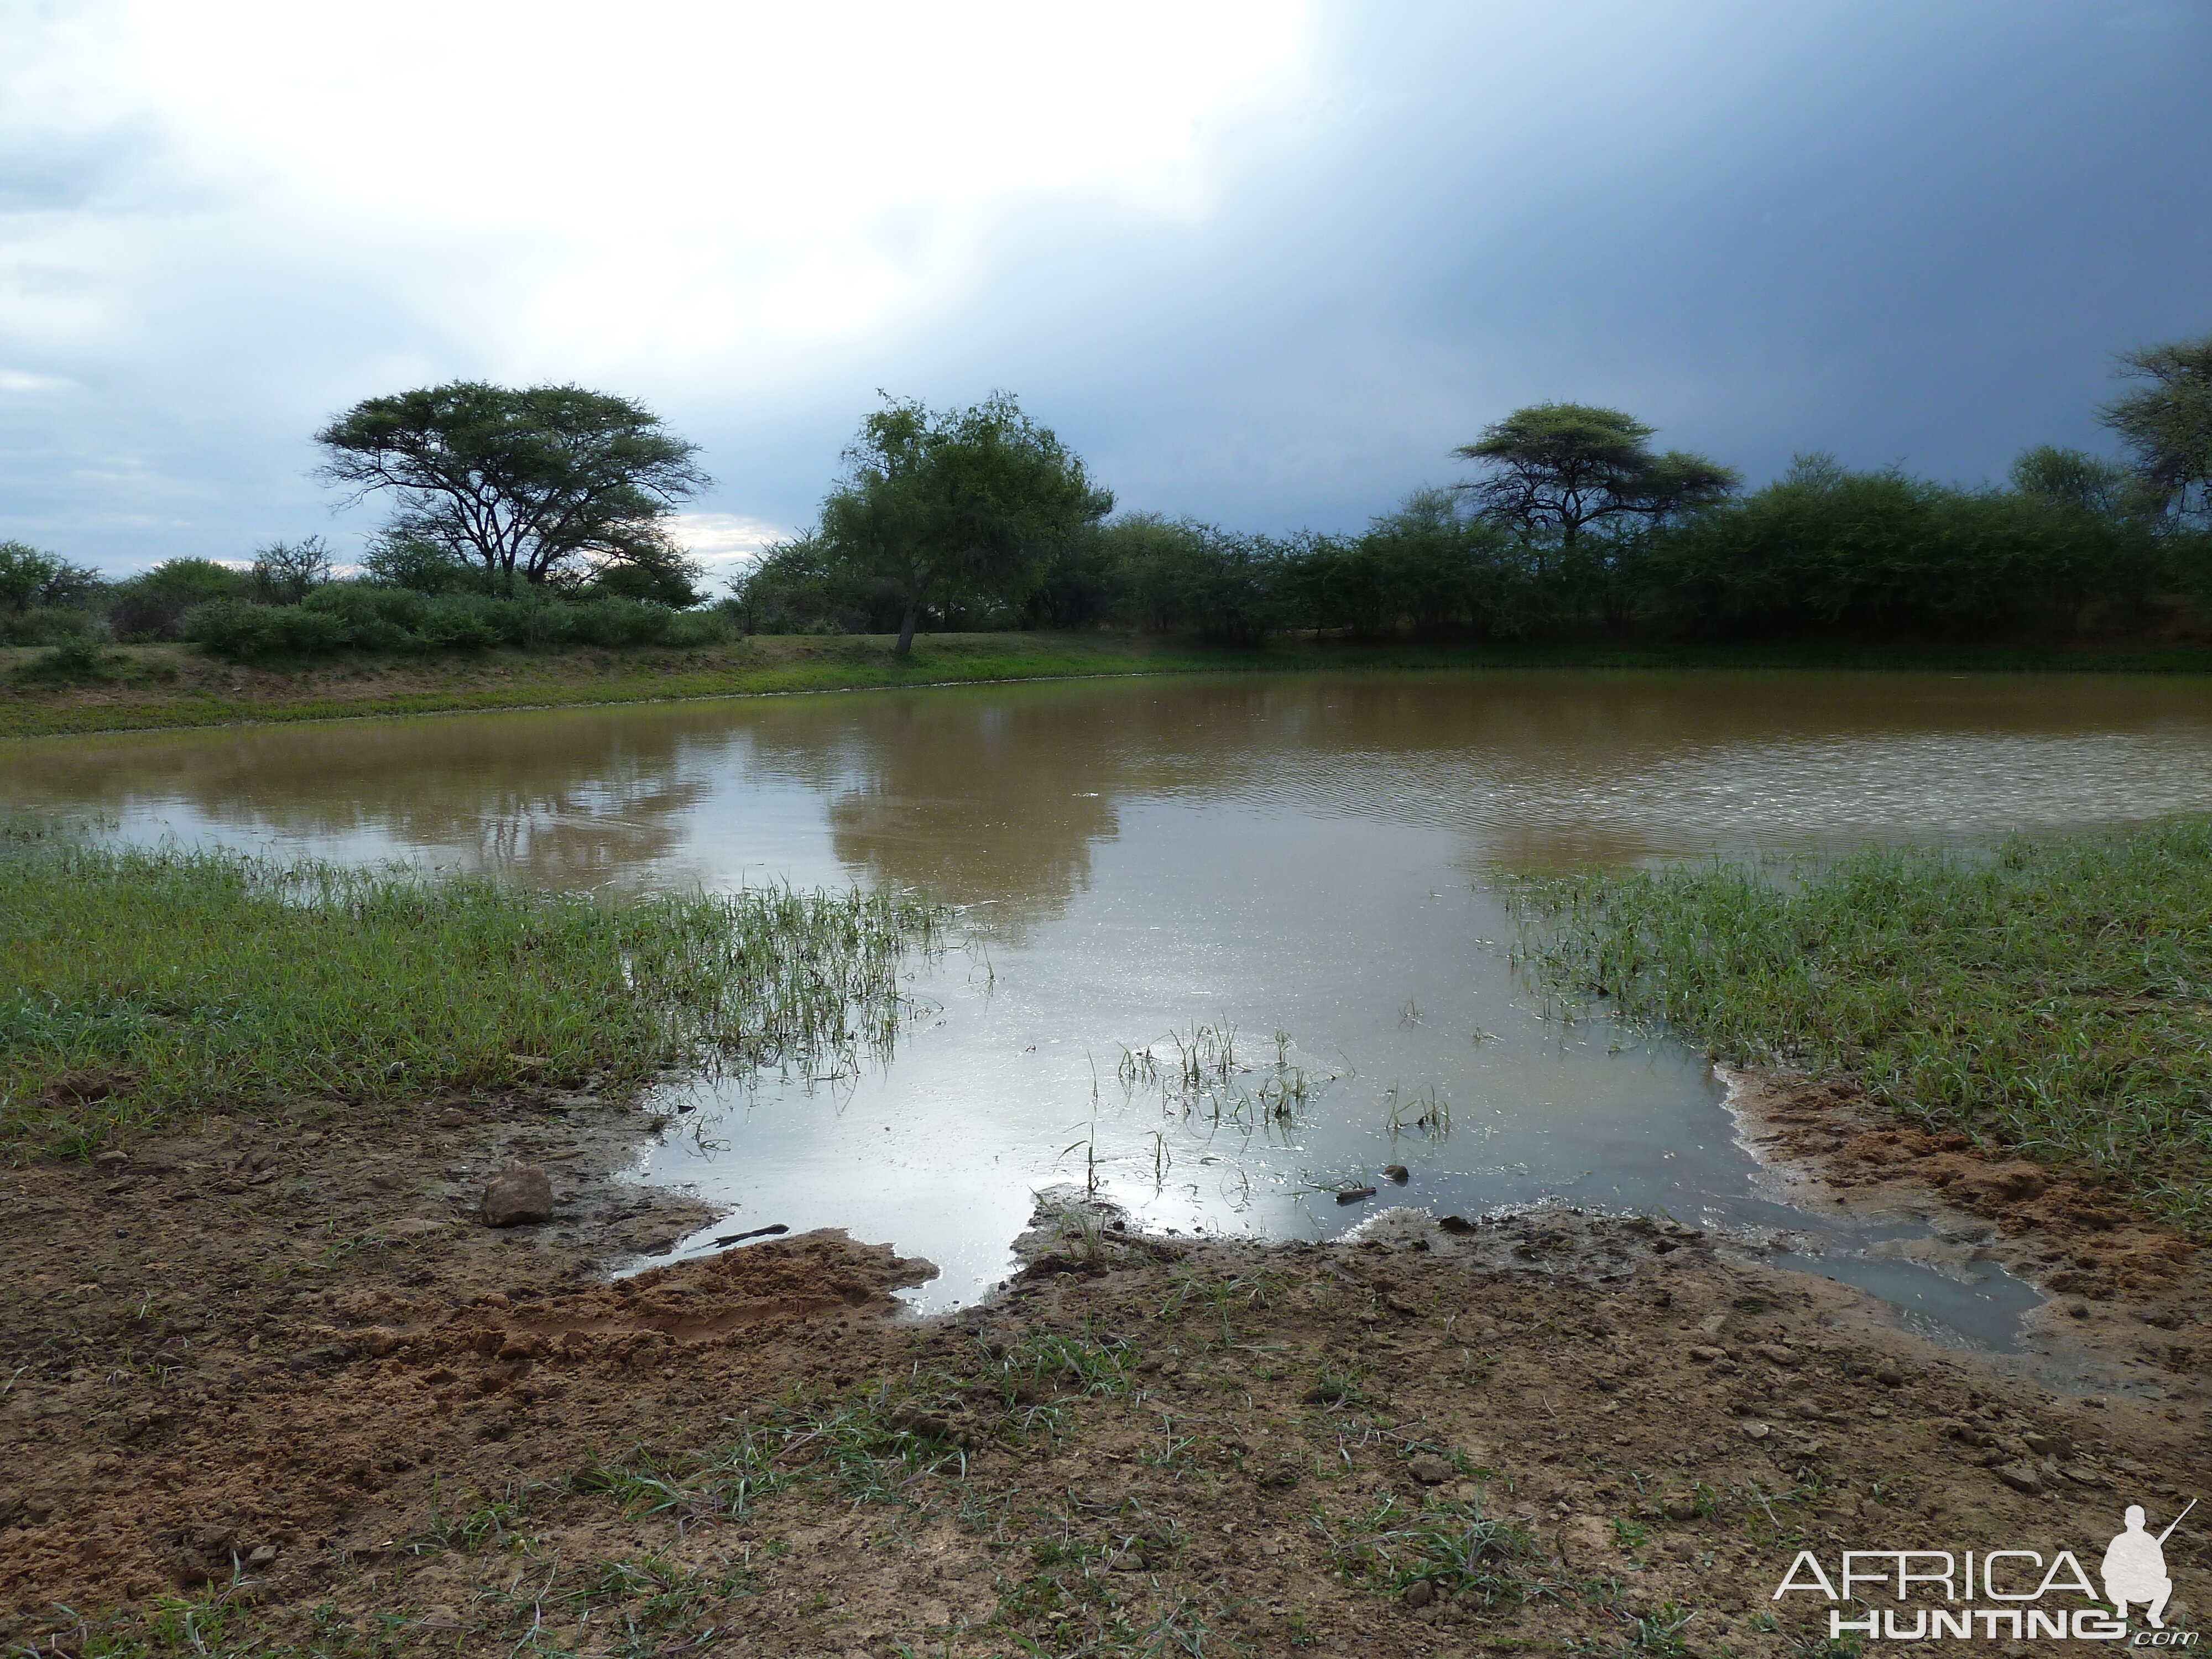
x: 1913, y: 234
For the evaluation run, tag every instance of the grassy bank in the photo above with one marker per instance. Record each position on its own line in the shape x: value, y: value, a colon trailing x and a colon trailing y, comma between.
x: 2051, y: 995
x: 152, y: 687
x: 138, y: 988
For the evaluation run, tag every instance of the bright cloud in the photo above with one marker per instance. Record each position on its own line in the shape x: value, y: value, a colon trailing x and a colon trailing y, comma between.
x: 675, y: 178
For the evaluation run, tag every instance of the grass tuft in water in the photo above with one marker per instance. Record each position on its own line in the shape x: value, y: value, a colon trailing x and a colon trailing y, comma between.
x: 139, y: 987
x: 2050, y: 995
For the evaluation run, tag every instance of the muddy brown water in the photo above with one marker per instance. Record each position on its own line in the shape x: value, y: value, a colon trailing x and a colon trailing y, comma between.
x: 1139, y: 858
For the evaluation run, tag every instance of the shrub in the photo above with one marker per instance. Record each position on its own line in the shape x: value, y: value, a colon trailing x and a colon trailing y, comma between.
x: 244, y: 628
x: 153, y: 605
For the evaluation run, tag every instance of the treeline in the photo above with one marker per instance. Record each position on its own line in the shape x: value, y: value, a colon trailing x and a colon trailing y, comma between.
x: 543, y: 516
x: 1822, y: 551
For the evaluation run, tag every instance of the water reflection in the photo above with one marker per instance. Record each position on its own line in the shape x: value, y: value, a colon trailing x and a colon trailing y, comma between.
x: 1004, y: 793
x: 1302, y: 852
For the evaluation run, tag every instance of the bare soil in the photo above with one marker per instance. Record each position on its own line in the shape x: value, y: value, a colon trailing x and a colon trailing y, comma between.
x: 270, y: 1383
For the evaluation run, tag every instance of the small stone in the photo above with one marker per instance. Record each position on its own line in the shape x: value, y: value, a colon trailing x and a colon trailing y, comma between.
x: 453, y: 1118
x: 519, y: 1192
x: 1757, y: 1431
x: 1680, y: 1507
x: 1458, y: 1225
x: 1430, y: 1469
x: 2049, y: 1445
x: 376, y: 1341
x: 1705, y: 1356
x: 2019, y: 1478
x: 1419, y: 1594
x: 111, y: 1159
x: 1354, y: 1194
x: 262, y: 1556
x: 1888, y: 1375
x: 1397, y: 1172
x: 1775, y: 1355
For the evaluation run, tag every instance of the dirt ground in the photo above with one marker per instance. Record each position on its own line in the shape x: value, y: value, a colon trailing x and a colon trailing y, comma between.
x: 271, y: 1386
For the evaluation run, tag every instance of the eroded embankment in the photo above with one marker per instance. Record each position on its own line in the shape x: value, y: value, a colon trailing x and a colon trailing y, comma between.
x: 263, y: 1373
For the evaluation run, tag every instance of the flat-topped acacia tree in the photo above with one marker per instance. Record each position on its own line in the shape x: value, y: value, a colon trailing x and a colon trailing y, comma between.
x: 1558, y: 468
x: 541, y: 483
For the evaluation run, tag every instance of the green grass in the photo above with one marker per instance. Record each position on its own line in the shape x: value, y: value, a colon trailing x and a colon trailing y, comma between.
x: 137, y: 987
x: 168, y: 687
x: 2049, y: 995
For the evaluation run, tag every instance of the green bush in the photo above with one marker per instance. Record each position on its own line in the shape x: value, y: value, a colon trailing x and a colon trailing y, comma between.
x: 153, y: 605
x: 1826, y: 551
x: 371, y: 617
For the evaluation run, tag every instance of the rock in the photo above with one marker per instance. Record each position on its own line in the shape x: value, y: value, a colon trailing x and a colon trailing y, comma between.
x: 1775, y: 1355
x: 262, y: 1556
x: 376, y: 1341
x: 1705, y: 1356
x: 1398, y: 1304
x: 453, y: 1118
x: 1888, y: 1375
x: 519, y: 1192
x: 1397, y: 1172
x: 1419, y: 1594
x: 1757, y: 1431
x: 2049, y: 1445
x: 111, y: 1160
x: 2019, y: 1478
x: 1354, y: 1194
x: 1458, y: 1225
x: 1430, y: 1469
x: 1680, y: 1507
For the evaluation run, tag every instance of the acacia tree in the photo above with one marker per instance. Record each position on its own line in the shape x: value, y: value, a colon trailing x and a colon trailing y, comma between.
x: 1563, y: 467
x: 962, y: 503
x: 2168, y: 425
x: 544, y: 483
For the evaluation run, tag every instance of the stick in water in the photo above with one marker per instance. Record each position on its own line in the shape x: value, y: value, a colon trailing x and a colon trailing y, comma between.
x: 757, y: 1232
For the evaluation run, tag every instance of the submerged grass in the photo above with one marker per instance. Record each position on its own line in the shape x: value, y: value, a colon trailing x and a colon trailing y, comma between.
x: 139, y: 986
x: 2049, y: 995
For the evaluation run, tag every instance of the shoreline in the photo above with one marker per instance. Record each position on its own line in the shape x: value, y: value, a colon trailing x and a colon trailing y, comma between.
x: 393, y: 1410
x: 173, y: 688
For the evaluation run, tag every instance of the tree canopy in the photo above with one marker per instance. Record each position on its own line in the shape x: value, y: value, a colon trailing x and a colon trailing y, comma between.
x: 961, y: 503
x: 2167, y: 426
x: 1560, y: 468
x: 545, y: 483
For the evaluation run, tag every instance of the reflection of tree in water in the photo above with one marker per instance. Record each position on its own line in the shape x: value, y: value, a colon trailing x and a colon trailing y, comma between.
x: 1001, y: 792
x: 966, y: 801
x: 565, y: 800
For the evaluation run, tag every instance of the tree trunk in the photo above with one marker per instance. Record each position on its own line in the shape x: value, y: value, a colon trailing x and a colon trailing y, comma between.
x: 906, y: 631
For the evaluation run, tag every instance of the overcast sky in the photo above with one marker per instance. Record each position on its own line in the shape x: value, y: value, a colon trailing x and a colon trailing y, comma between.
x: 1264, y: 264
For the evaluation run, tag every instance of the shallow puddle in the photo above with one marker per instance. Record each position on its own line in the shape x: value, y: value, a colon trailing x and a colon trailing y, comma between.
x: 1146, y: 867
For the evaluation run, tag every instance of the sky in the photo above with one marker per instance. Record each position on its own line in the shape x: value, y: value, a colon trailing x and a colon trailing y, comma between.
x: 1263, y: 264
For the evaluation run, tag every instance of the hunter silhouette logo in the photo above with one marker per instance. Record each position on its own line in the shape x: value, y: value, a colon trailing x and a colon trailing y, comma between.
x: 2135, y: 1567
x: 1999, y: 1595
